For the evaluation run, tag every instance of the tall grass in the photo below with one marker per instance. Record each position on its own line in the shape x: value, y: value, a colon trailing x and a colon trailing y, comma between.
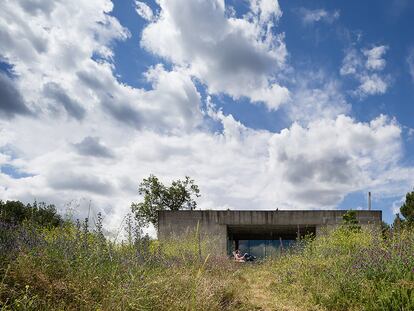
x: 73, y: 268
x: 70, y: 268
x: 344, y: 270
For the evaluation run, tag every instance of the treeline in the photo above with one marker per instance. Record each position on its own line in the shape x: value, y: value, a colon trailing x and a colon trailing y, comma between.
x: 407, y: 211
x: 37, y: 213
x: 179, y: 195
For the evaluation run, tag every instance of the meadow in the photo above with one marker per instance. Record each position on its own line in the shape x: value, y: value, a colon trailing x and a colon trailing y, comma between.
x: 71, y: 267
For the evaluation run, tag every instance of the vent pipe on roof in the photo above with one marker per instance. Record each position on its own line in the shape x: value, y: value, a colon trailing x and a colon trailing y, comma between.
x: 369, y: 200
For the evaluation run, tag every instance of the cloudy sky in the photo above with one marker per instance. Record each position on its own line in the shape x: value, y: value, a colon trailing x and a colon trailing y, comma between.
x: 266, y: 104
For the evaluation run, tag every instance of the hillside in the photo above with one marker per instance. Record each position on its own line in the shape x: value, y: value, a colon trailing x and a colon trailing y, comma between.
x: 69, y: 267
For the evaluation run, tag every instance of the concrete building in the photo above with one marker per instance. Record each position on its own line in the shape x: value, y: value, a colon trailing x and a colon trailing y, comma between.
x: 257, y: 232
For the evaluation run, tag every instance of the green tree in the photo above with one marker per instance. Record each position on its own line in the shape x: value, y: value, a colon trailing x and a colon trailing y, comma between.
x: 407, y: 209
x: 350, y: 220
x: 158, y: 197
x: 40, y: 214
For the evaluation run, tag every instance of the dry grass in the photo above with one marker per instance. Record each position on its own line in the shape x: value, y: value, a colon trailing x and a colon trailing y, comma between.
x: 67, y: 269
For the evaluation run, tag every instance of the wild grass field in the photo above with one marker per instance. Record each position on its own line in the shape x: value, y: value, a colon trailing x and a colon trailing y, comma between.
x: 70, y: 267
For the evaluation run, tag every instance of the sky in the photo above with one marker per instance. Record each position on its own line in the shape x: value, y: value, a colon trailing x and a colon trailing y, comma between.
x: 265, y: 104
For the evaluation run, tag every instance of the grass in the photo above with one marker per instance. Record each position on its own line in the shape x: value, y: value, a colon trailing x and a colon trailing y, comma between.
x: 71, y: 268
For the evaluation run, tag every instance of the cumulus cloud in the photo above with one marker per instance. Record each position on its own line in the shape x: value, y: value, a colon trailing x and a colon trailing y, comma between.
x: 316, y: 96
x: 173, y: 103
x: 11, y: 102
x: 62, y: 58
x: 61, y: 76
x: 47, y: 41
x: 265, y: 10
x: 366, y: 66
x: 144, y: 10
x: 92, y: 146
x: 351, y: 63
x: 237, y: 56
x: 372, y: 84
x: 319, y: 15
x: 300, y: 167
x: 37, y: 6
x: 333, y: 154
x: 80, y: 182
x: 58, y: 94
x: 374, y: 57
x: 62, y: 54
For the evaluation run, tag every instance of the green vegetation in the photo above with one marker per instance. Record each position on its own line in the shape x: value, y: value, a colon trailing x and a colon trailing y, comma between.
x: 407, y: 209
x: 158, y: 197
x: 71, y: 267
x: 40, y: 214
x: 342, y: 270
x: 350, y: 220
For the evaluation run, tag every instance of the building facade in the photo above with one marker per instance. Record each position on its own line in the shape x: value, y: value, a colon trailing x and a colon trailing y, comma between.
x: 258, y: 232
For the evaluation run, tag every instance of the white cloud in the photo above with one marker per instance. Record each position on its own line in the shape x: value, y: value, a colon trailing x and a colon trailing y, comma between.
x: 62, y: 79
x: 300, y: 167
x: 316, y: 96
x: 266, y: 10
x: 366, y: 67
x: 12, y: 102
x: 318, y: 15
x: 397, y: 204
x: 47, y: 44
x: 374, y: 57
x: 52, y: 46
x: 144, y: 10
x: 372, y: 84
x: 351, y: 63
x: 92, y: 146
x: 237, y: 56
x: 93, y: 138
x: 333, y: 157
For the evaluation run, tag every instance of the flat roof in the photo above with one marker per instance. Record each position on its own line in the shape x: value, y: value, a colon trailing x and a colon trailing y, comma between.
x: 267, y: 217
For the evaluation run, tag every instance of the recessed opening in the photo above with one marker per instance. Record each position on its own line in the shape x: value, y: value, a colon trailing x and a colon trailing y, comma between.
x: 263, y: 241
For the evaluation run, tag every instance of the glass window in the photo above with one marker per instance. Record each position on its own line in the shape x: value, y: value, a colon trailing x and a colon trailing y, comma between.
x: 263, y: 248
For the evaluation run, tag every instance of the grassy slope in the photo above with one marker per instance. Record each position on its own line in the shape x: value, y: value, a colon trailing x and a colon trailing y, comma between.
x: 340, y: 271
x: 66, y: 269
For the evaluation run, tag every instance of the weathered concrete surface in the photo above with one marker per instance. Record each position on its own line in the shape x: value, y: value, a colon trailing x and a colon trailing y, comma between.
x: 215, y: 223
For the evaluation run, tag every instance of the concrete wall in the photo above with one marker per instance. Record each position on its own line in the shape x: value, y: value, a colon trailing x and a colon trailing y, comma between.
x: 214, y: 223
x: 173, y: 224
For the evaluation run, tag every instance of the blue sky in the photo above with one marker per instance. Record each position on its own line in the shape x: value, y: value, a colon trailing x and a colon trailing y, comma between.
x: 289, y: 104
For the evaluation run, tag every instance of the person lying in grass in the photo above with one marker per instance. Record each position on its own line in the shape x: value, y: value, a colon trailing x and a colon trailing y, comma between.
x: 238, y: 256
x: 242, y: 258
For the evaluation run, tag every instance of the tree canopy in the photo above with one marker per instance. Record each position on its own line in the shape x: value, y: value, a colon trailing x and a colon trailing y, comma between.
x: 407, y: 212
x: 41, y: 214
x: 157, y: 197
x: 350, y: 220
x: 407, y: 209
